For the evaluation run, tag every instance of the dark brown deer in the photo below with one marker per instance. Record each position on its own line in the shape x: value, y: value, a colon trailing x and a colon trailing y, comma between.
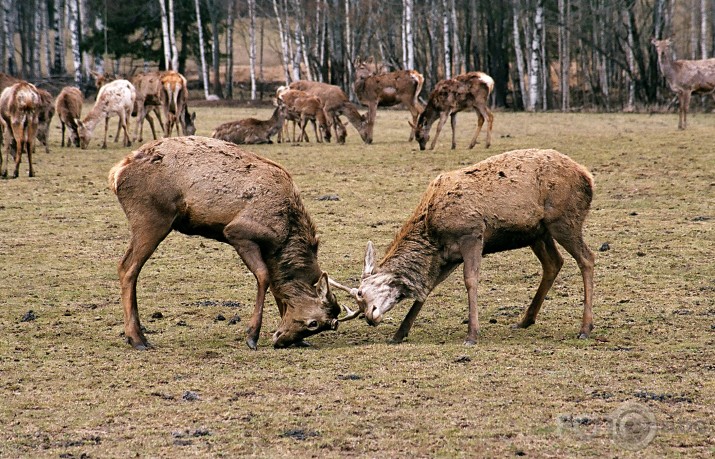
x: 336, y: 103
x: 69, y: 109
x: 211, y: 188
x: 19, y: 109
x: 387, y: 89
x: 469, y: 90
x: 685, y: 77
x: 522, y: 198
x: 252, y: 130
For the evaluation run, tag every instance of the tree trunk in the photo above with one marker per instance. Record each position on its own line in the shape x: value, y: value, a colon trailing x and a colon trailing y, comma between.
x: 703, y: 29
x: 519, y: 55
x: 172, y: 38
x: 535, y: 61
x: 630, y: 76
x: 74, y: 27
x: 285, y: 52
x: 445, y: 40
x: 350, y: 57
x: 59, y: 67
x: 457, y: 58
x: 164, y: 35
x: 202, y: 52
x: 409, y: 34
x: 564, y: 53
x: 215, y: 48
x: 229, y: 49
x: 252, y: 45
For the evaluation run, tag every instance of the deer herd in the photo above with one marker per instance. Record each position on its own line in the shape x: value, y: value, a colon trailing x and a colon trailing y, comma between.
x: 212, y: 188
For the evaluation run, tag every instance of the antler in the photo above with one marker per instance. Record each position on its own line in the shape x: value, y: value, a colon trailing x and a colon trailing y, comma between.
x: 349, y: 313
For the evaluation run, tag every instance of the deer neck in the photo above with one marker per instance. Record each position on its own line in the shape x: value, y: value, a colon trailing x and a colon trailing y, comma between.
x: 351, y: 113
x: 94, y: 117
x: 665, y: 62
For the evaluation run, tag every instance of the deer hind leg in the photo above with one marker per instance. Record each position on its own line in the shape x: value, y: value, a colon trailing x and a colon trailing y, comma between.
x: 453, y: 122
x: 570, y: 236
x: 683, y: 110
x: 415, y: 110
x: 241, y: 234
x: 442, y: 120
x: 303, y: 134
x: 19, y: 133
x: 30, y: 134
x: 551, y: 262
x: 471, y: 249
x: 147, y: 234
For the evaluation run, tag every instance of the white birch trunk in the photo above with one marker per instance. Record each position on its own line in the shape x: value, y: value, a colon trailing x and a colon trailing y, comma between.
x: 403, y: 30
x: 519, y: 55
x: 284, y: 42
x: 349, y: 49
x: 535, y: 61
x: 59, y: 66
x: 409, y: 14
x: 202, y: 52
x: 172, y: 39
x: 37, y: 42
x: 630, y: 58
x: 445, y: 39
x: 703, y: 29
x: 165, y: 34
x: 564, y: 53
x: 457, y: 56
x: 73, y: 24
x: 252, y: 45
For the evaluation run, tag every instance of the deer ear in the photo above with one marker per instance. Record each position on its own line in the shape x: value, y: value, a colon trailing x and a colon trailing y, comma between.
x: 369, y: 266
x: 322, y: 287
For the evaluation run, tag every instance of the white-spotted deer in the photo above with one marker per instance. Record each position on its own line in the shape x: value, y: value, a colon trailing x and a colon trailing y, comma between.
x: 469, y: 90
x: 114, y: 98
x: 211, y: 188
x: 522, y: 198
x: 19, y: 109
x: 375, y: 89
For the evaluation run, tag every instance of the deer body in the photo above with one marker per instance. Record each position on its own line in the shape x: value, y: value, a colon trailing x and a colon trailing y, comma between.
x: 336, y: 103
x: 685, y: 77
x: 252, y: 130
x: 523, y: 198
x: 148, y: 88
x: 302, y: 107
x: 469, y: 90
x: 207, y: 187
x: 44, y: 117
x: 388, y: 89
x: 19, y: 109
x: 114, y: 98
x: 68, y: 106
x: 174, y: 98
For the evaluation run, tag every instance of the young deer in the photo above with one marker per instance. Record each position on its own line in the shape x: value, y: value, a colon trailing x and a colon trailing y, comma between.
x: 302, y: 107
x: 19, y: 110
x: 252, y: 130
x: 69, y: 109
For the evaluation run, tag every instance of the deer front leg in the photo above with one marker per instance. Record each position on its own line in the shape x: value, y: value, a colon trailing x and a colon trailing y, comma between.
x: 407, y: 322
x: 683, y: 110
x: 471, y: 250
x: 453, y: 122
x: 442, y: 120
x: 106, y: 128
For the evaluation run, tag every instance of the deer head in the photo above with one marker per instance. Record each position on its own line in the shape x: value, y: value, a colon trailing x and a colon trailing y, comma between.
x: 85, y: 133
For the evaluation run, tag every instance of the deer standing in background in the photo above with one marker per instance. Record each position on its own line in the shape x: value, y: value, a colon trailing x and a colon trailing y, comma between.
x: 114, y: 98
x: 68, y: 106
x: 302, y: 107
x: 685, y: 77
x: 149, y: 99
x: 469, y: 90
x: 19, y: 109
x: 387, y: 89
x: 44, y: 117
x: 174, y: 99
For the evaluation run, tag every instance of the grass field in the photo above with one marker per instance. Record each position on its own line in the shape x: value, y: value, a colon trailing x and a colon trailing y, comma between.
x: 642, y: 386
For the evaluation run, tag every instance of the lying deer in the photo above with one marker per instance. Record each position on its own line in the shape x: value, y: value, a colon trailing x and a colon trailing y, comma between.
x: 207, y: 187
x: 387, y: 89
x: 469, y: 90
x: 19, y: 110
x: 252, y: 130
x: 114, y: 98
x: 69, y: 109
x: 522, y: 198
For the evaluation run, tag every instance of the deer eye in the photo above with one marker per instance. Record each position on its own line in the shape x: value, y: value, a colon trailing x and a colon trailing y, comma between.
x: 359, y: 293
x: 313, y: 325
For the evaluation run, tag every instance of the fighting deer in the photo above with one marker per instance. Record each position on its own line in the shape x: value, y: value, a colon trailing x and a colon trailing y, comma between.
x: 469, y: 90
x: 685, y: 77
x: 44, y: 117
x: 302, y: 107
x: 19, y: 109
x: 114, y: 98
x: 174, y: 98
x: 522, y: 198
x: 336, y: 103
x: 252, y: 130
x: 211, y: 188
x: 69, y: 109
x: 387, y: 89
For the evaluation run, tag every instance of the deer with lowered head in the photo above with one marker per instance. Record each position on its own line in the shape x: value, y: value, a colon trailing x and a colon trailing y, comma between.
x: 685, y: 77
x: 19, y: 109
x: 252, y: 130
x: 114, y: 98
x: 174, y: 101
x: 45, y: 112
x: 386, y: 90
x: 68, y: 106
x: 211, y: 188
x: 523, y: 198
x: 336, y: 103
x: 302, y: 107
x: 469, y: 90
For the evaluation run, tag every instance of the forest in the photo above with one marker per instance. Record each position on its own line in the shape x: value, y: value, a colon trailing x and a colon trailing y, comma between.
x: 543, y: 54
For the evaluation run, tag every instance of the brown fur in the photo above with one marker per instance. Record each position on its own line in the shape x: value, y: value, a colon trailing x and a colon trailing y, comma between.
x: 469, y: 90
x: 252, y: 130
x: 336, y: 103
x: 69, y: 109
x: 174, y: 102
x: 685, y: 77
x: 214, y: 189
x: 387, y: 89
x: 522, y: 198
x: 149, y: 99
x: 44, y: 117
x: 302, y: 107
x: 20, y: 105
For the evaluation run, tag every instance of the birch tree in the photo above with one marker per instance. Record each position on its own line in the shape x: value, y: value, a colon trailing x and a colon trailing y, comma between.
x: 516, y: 11
x: 165, y: 34
x: 446, y: 39
x: 703, y: 29
x: 8, y: 28
x: 229, y: 49
x: 564, y: 53
x: 74, y: 28
x: 59, y: 66
x: 630, y: 56
x: 535, y: 59
x: 409, y: 34
x: 252, y: 45
x: 204, y: 69
x: 283, y: 35
x: 172, y: 38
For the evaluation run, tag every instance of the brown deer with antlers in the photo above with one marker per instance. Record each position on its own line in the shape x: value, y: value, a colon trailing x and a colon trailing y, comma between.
x: 685, y: 77
x: 19, y: 109
x: 386, y: 90
x: 469, y: 90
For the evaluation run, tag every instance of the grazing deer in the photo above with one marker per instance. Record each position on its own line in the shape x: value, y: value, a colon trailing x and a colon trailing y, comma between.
x: 69, y: 109
x: 522, y: 198
x: 174, y: 98
x: 685, y: 77
x: 44, y: 117
x: 387, y: 89
x: 149, y: 99
x: 214, y: 189
x: 336, y: 103
x: 252, y: 130
x: 302, y: 107
x: 19, y: 109
x: 469, y: 90
x: 114, y: 98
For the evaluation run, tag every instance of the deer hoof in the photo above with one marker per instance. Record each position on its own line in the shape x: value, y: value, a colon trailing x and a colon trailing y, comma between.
x: 396, y: 340
x: 252, y: 343
x: 523, y: 324
x: 469, y: 342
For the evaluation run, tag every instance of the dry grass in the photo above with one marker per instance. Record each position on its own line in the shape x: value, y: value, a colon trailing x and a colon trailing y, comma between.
x: 71, y: 386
